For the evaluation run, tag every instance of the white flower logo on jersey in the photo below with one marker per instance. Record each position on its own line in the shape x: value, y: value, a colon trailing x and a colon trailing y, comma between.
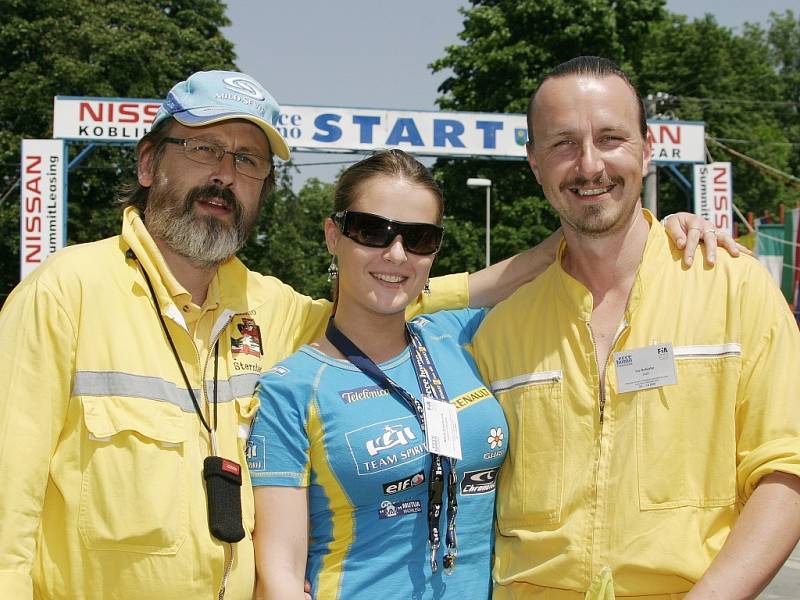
x: 496, y: 436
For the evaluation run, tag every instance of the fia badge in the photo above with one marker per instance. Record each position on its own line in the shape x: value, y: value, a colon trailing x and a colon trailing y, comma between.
x: 441, y: 428
x: 645, y: 368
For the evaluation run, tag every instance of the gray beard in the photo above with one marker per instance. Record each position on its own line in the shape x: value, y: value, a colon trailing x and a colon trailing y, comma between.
x: 205, y: 241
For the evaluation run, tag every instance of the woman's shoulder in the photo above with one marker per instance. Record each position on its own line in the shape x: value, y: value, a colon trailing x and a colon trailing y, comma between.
x: 460, y: 324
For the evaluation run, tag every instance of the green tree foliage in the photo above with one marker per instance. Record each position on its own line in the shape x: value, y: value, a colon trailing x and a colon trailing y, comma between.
x: 745, y: 86
x: 289, y: 242
x: 114, y: 48
x: 508, y: 46
x: 783, y: 39
x: 730, y: 82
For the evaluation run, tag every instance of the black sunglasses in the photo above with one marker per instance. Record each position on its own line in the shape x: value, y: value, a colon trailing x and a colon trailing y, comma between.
x: 378, y: 232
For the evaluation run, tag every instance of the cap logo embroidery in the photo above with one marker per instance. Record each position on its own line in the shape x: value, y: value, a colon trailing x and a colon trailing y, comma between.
x: 244, y: 86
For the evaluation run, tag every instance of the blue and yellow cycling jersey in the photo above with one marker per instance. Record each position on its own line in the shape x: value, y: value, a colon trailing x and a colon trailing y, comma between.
x: 325, y: 425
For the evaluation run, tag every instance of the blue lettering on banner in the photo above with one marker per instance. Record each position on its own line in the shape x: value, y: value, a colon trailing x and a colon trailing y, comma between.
x: 365, y: 124
x: 324, y: 123
x: 289, y: 125
x: 404, y: 130
x: 490, y: 129
x: 447, y: 130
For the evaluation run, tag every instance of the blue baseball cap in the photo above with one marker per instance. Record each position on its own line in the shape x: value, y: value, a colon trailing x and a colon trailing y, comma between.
x: 212, y: 96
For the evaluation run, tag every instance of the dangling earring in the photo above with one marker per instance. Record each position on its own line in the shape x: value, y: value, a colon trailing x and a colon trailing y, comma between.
x: 427, y: 288
x: 333, y: 270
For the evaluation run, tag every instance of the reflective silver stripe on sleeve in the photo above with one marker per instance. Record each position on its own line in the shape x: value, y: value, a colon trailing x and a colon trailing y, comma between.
x: 504, y: 385
x: 109, y: 383
x: 708, y: 351
x: 237, y: 386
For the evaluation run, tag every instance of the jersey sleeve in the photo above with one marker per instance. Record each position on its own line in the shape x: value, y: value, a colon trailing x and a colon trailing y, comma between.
x: 447, y: 292
x: 461, y: 324
x: 278, y: 448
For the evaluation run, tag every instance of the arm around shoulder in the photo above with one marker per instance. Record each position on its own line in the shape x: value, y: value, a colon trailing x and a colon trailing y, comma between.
x: 497, y: 282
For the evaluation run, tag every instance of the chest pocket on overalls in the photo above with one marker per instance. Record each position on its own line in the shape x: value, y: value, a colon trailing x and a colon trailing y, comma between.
x: 686, y: 433
x: 532, y: 477
x: 133, y: 489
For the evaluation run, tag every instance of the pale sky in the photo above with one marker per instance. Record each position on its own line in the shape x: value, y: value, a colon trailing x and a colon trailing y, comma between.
x: 375, y: 54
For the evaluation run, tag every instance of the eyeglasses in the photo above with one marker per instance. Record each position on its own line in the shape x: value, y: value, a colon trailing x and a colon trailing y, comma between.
x: 377, y: 232
x: 209, y: 153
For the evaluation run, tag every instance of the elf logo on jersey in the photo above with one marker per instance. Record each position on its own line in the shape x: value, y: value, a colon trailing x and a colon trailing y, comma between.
x: 250, y: 340
x: 401, y: 485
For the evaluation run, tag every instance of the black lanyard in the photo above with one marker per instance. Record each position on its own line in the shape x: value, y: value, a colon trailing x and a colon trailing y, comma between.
x: 189, y: 388
x: 431, y: 385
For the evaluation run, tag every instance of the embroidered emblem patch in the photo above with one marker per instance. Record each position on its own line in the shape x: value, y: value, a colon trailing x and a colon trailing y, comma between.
x: 250, y: 341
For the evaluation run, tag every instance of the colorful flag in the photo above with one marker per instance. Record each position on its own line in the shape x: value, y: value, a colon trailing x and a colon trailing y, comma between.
x: 769, y: 248
x: 791, y: 257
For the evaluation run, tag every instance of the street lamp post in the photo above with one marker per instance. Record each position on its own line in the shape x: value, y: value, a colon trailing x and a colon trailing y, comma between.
x: 479, y: 182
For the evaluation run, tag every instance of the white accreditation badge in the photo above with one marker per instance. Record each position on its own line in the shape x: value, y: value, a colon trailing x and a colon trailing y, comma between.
x: 441, y: 428
x: 645, y: 368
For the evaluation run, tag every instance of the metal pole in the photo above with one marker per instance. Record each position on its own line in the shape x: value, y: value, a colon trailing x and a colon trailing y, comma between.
x: 488, y: 225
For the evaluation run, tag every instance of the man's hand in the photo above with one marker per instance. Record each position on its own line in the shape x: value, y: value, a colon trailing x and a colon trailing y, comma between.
x: 688, y: 230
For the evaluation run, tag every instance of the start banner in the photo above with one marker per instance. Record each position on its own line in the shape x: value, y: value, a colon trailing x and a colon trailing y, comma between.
x: 336, y: 129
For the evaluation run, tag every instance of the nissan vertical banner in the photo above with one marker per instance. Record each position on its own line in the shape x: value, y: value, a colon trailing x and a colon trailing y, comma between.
x: 42, y: 201
x: 713, y: 194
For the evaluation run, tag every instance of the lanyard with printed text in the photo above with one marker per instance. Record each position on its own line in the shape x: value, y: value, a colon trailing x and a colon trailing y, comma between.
x: 431, y: 385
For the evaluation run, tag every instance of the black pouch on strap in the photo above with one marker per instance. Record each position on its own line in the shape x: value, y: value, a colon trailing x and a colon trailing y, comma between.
x: 223, y: 489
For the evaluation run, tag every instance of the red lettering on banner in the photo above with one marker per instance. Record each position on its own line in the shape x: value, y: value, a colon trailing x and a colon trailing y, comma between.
x: 720, y: 177
x: 128, y: 113
x: 122, y: 112
x: 94, y: 116
x: 33, y: 203
x: 32, y: 222
x: 33, y: 250
x: 665, y: 134
x: 150, y: 111
x: 35, y: 161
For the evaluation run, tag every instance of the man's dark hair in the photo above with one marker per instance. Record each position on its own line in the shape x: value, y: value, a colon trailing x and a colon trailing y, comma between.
x: 135, y: 194
x: 590, y: 66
